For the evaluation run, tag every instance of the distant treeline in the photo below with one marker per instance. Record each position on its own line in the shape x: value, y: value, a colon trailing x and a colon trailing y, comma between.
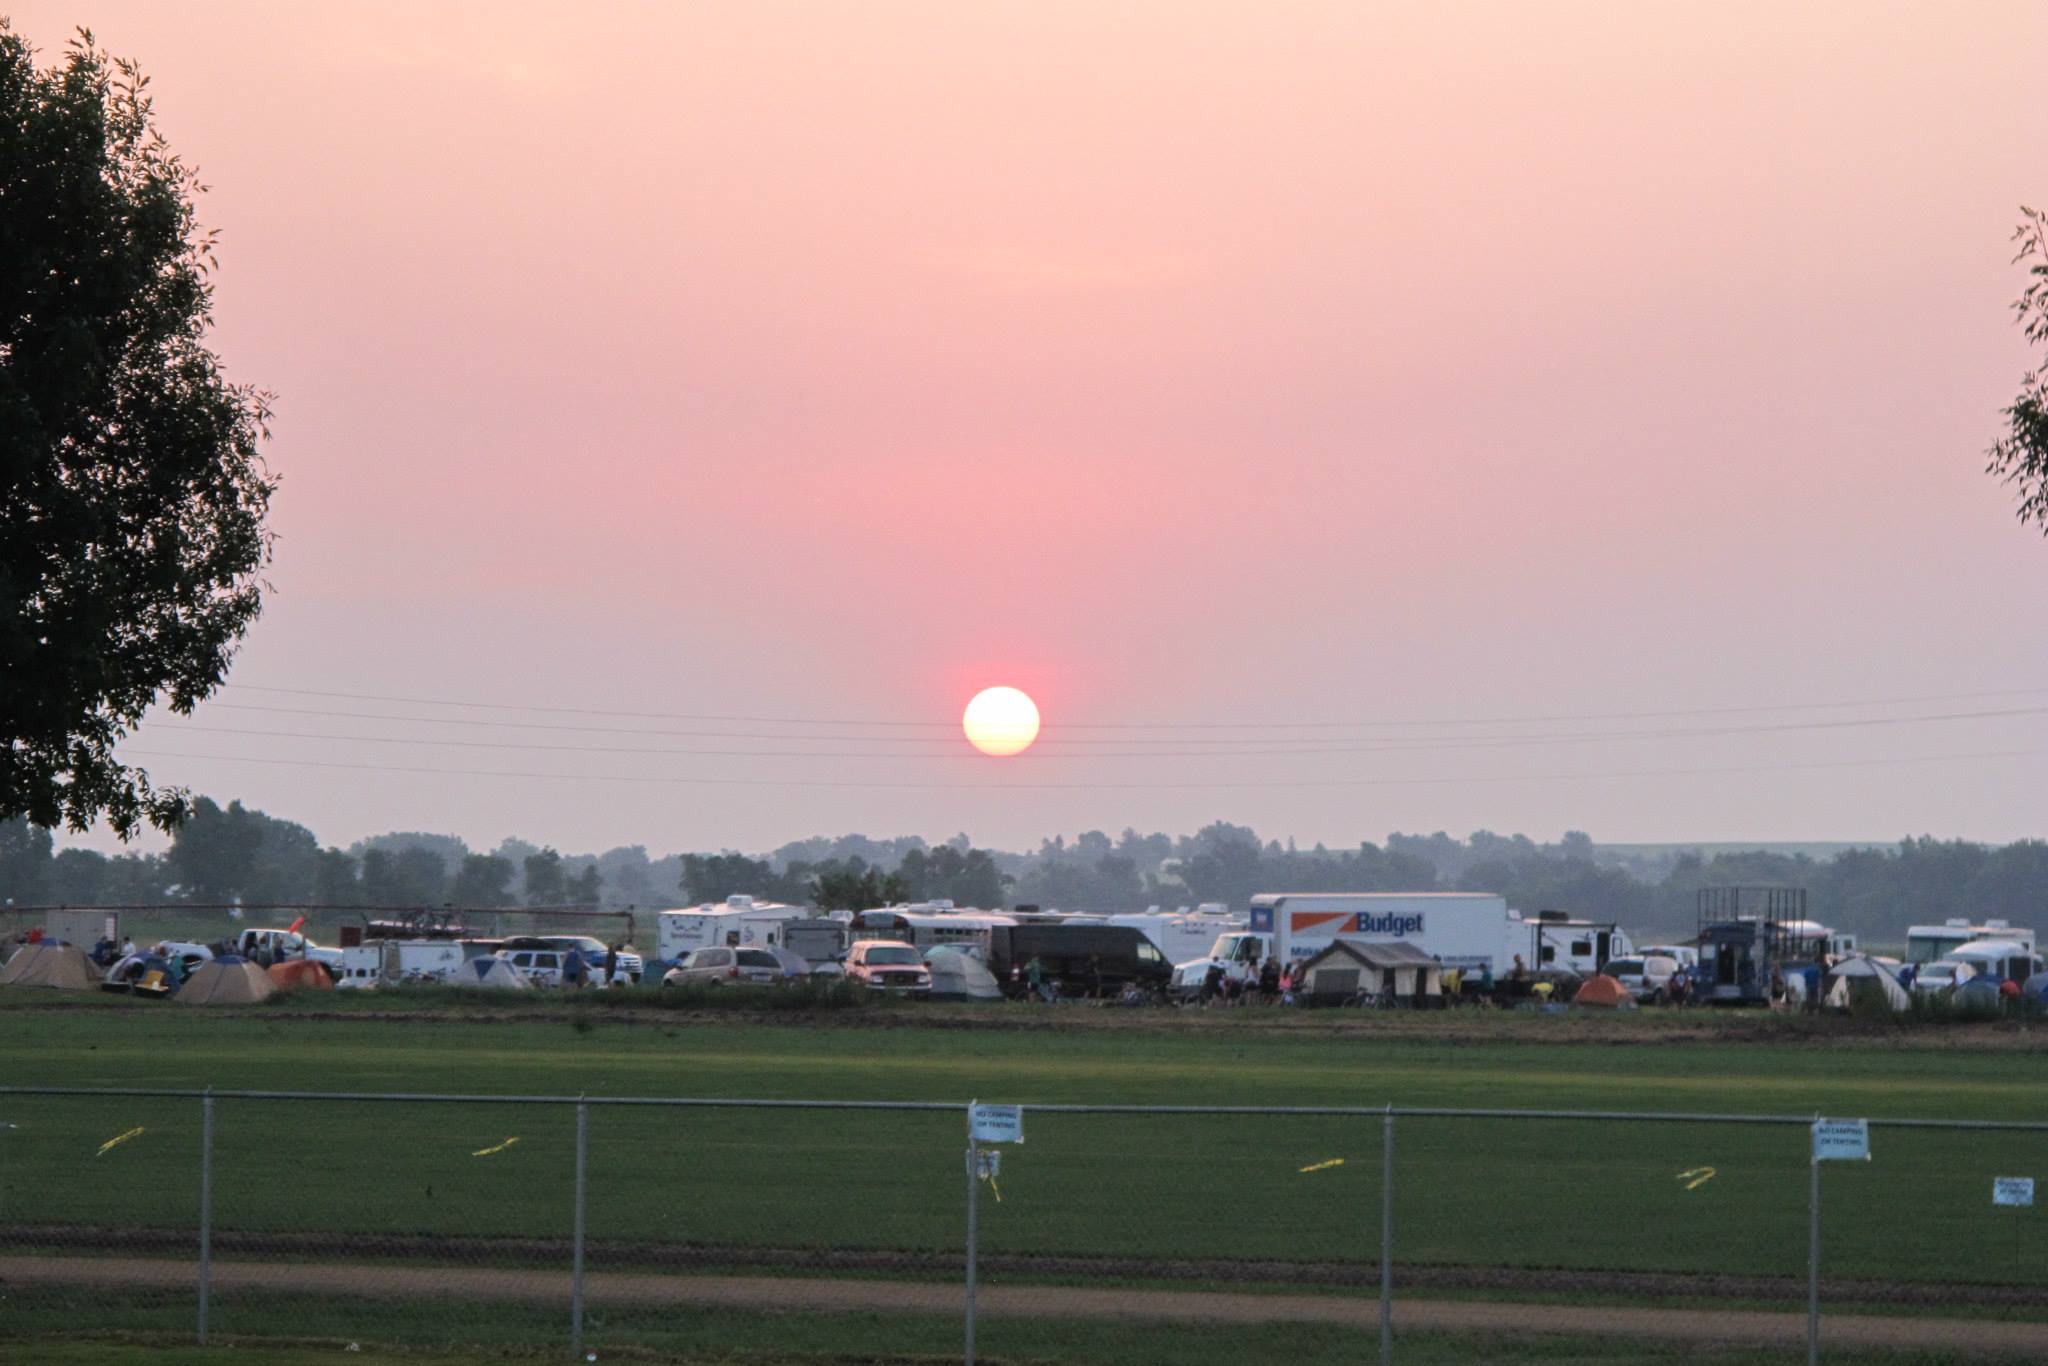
x: 235, y: 854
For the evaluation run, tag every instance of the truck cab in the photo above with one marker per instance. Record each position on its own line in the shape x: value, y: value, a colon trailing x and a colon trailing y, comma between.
x: 1239, y: 953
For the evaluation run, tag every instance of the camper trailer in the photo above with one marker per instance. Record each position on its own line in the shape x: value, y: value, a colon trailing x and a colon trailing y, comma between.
x: 738, y: 920
x: 388, y: 962
x: 1930, y: 943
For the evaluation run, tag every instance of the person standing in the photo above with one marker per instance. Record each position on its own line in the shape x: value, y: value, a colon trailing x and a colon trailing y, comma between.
x: 611, y: 964
x: 1269, y: 979
x: 1034, y: 978
x: 572, y: 968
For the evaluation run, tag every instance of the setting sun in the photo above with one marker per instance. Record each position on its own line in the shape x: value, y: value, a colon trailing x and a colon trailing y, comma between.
x: 1001, y: 721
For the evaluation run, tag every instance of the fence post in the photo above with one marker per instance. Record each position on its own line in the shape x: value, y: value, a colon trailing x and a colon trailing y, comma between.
x: 973, y: 1200
x: 1387, y: 1238
x: 205, y: 1207
x: 576, y: 1237
x: 1813, y: 1245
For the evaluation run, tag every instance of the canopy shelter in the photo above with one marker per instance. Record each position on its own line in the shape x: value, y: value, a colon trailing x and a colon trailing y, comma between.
x: 492, y: 972
x: 1603, y: 991
x: 1377, y: 968
x: 1863, y: 982
x: 227, y: 982
x: 300, y: 974
x: 961, y: 977
x: 62, y: 966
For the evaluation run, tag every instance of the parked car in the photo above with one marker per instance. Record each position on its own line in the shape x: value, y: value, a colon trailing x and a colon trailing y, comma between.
x: 594, y: 950
x: 1084, y: 960
x: 726, y: 967
x: 1647, y: 978
x: 888, y: 965
x: 1684, y: 954
x: 541, y: 963
x: 1941, y: 977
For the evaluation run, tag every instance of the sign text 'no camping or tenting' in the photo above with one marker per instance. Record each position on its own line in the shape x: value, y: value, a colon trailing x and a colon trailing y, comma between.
x: 2012, y: 1190
x: 996, y: 1123
x: 1841, y: 1140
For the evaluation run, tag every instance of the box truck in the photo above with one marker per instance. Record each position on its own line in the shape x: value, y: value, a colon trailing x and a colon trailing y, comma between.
x: 1473, y: 932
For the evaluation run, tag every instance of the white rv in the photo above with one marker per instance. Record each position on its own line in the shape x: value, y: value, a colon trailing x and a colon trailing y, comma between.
x: 1180, y: 935
x: 1930, y: 943
x: 738, y: 920
x: 388, y: 962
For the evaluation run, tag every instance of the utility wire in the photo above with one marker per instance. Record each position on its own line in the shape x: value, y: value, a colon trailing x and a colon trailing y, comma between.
x: 1305, y: 748
x: 1007, y: 786
x: 1663, y: 714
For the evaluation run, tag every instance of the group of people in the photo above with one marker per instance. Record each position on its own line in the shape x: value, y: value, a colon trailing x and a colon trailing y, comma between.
x: 1270, y: 982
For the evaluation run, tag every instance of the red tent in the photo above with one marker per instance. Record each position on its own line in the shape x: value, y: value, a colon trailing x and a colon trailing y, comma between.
x: 301, y: 974
x: 1602, y: 990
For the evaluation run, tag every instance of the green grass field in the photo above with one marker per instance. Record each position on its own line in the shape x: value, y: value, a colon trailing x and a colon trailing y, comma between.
x: 1124, y: 1200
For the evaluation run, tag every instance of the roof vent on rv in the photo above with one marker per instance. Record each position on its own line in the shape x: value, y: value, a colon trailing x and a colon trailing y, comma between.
x: 1960, y: 922
x: 1998, y: 924
x: 1553, y: 915
x: 739, y: 903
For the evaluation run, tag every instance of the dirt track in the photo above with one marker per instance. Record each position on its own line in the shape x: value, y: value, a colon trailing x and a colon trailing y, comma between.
x: 547, y: 1254
x: 770, y: 1294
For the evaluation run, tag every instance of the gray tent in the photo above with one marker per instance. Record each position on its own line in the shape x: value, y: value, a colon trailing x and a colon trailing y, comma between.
x: 1865, y: 982
x: 226, y: 982
x: 960, y: 977
x: 1372, y: 967
x: 62, y: 966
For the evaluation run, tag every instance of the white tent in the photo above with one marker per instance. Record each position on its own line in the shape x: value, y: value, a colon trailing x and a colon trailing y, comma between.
x: 492, y: 972
x: 959, y: 977
x: 1866, y: 980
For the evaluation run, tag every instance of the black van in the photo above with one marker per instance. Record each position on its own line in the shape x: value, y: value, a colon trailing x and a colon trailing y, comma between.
x: 1083, y: 960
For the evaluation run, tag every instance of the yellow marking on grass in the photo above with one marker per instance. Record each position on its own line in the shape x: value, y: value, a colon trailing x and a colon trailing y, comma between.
x: 117, y: 1140
x: 486, y: 1152
x: 1699, y: 1176
x: 1323, y: 1166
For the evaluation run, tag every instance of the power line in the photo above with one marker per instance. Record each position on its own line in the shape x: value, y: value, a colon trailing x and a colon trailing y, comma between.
x: 1303, y: 748
x: 1661, y: 714
x: 1007, y: 786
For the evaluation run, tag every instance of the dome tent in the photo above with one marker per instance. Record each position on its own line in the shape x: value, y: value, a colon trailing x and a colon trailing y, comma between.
x: 1864, y: 982
x: 301, y: 974
x: 959, y: 977
x: 492, y: 972
x: 227, y: 982
x: 63, y: 966
x: 1604, y: 991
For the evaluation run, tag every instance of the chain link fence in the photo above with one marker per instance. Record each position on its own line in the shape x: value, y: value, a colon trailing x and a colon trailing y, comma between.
x: 1129, y: 1235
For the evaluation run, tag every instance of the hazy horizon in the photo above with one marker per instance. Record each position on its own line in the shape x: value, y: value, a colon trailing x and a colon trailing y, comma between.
x: 1204, y: 370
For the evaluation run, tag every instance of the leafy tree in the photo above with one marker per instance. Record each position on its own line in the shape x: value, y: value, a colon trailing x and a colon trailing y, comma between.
x: 853, y: 886
x: 413, y: 876
x: 483, y: 880
x: 26, y: 862
x: 714, y: 877
x: 132, y: 496
x: 586, y: 888
x: 545, y: 883
x: 334, y: 879
x: 2020, y: 457
x: 951, y: 872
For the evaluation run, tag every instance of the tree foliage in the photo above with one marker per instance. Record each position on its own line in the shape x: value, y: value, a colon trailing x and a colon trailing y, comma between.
x: 2020, y: 456
x: 131, y: 492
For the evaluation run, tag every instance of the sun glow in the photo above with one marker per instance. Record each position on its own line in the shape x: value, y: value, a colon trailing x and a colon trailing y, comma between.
x: 1001, y: 721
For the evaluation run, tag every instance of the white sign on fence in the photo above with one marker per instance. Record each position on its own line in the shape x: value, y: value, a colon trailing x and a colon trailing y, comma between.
x: 2012, y: 1190
x: 996, y: 1123
x: 1841, y: 1140
x: 988, y: 1163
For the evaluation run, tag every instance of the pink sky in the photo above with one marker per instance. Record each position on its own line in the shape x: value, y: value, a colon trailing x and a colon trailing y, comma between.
x: 1175, y: 362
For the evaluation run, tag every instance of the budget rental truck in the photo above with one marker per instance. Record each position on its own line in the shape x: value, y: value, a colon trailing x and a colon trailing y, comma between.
x: 1474, y: 932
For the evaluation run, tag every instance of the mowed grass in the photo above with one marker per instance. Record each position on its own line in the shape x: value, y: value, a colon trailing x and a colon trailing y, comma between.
x: 350, y: 1176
